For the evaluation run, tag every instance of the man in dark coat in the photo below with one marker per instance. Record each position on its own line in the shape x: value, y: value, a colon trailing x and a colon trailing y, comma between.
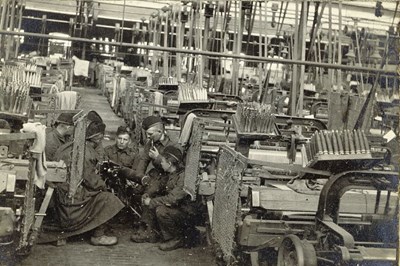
x: 122, y: 152
x: 57, y: 135
x: 91, y: 207
x: 172, y: 211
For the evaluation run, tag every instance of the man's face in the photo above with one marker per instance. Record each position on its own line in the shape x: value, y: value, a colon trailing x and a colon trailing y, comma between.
x: 154, y: 134
x: 165, y: 164
x: 123, y: 141
x: 65, y: 130
x: 97, y: 139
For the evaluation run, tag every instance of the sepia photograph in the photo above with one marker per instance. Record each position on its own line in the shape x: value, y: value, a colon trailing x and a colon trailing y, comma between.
x: 199, y: 133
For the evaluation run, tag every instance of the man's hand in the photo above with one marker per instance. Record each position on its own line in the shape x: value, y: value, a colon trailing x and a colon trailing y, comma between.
x: 153, y: 153
x: 146, y: 199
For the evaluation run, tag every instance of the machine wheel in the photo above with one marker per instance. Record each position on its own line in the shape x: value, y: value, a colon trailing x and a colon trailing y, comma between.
x: 294, y: 251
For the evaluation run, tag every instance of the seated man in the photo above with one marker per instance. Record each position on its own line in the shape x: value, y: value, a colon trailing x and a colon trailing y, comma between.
x: 58, y: 134
x: 121, y: 152
x: 149, y: 159
x: 91, y: 207
x: 173, y: 212
x: 123, y: 155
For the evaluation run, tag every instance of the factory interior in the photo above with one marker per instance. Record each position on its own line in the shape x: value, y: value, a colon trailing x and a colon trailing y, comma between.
x: 160, y: 132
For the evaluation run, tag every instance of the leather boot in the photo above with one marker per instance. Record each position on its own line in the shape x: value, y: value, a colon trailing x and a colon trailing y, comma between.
x: 103, y: 240
x: 149, y: 236
x: 171, y: 244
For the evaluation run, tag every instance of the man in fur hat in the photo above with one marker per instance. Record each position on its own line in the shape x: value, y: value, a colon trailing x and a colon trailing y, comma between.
x: 92, y: 206
x: 57, y: 135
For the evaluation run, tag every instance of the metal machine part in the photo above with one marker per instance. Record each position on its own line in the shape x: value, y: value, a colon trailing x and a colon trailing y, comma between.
x: 307, y: 229
x: 7, y: 223
x: 7, y: 232
x: 193, y: 155
x: 226, y: 202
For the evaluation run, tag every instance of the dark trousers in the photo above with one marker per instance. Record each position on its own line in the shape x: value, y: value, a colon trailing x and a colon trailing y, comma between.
x: 172, y: 222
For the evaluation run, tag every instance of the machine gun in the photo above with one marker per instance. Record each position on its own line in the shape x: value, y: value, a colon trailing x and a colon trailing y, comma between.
x: 121, y: 187
x: 108, y: 170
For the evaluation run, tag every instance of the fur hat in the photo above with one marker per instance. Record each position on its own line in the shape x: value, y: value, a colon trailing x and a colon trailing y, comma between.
x: 95, y: 128
x: 123, y: 130
x: 65, y: 118
x: 151, y: 121
x: 172, y: 152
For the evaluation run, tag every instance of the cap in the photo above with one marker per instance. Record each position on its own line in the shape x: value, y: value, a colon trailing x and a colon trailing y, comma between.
x: 123, y: 130
x: 173, y: 153
x: 151, y: 121
x: 95, y: 128
x: 65, y: 118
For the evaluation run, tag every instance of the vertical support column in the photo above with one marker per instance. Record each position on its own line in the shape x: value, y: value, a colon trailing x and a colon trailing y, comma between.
x: 179, y: 37
x: 154, y: 58
x: 165, y: 55
x: 339, y: 74
x: 42, y: 40
x: 330, y: 47
x: 207, y: 9
x: 117, y: 37
x: 200, y: 47
x: 142, y: 39
x: 295, y: 81
x: 3, y: 18
x: 21, y: 7
x: 302, y: 41
x: 10, y: 41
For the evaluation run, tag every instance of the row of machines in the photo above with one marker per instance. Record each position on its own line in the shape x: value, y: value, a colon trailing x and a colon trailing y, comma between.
x: 303, y: 195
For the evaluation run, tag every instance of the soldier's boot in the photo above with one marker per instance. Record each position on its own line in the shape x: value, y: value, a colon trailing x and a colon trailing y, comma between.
x: 103, y: 240
x: 149, y: 235
x: 172, y: 244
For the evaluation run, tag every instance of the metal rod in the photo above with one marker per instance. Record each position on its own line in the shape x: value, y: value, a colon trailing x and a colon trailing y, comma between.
x: 387, y: 203
x: 351, y: 141
x: 185, y: 51
x: 324, y: 143
x: 340, y: 142
x: 319, y: 143
x: 377, y: 201
x: 361, y: 139
x: 335, y: 143
x: 330, y: 74
x: 357, y: 141
x: 123, y: 23
x: 165, y: 60
x: 366, y: 143
x: 359, y: 54
x: 293, y: 92
x: 339, y: 74
x: 346, y: 142
x: 328, y: 142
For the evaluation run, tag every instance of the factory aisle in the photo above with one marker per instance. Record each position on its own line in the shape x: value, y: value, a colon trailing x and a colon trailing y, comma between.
x: 78, y: 251
x: 92, y: 99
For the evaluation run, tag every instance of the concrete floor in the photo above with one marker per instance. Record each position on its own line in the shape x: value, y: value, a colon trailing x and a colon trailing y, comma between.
x: 78, y: 251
